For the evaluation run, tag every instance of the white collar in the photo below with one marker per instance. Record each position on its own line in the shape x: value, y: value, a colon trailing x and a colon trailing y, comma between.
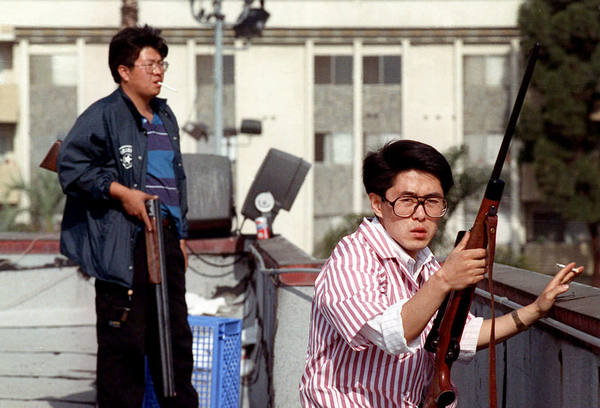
x: 413, y: 265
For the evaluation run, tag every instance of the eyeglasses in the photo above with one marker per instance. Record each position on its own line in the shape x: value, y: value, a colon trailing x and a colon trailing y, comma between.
x: 405, y: 206
x: 150, y: 67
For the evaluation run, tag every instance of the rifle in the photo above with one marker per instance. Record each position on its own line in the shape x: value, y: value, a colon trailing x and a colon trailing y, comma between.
x: 157, y: 275
x: 448, y: 326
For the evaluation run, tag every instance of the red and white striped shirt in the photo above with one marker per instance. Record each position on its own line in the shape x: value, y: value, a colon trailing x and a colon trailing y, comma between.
x: 366, y: 275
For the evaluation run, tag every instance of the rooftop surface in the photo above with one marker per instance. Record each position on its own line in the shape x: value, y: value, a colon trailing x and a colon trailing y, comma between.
x: 47, y: 320
x: 47, y: 335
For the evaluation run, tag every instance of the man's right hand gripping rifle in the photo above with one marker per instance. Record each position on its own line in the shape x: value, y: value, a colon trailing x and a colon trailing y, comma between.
x: 133, y: 202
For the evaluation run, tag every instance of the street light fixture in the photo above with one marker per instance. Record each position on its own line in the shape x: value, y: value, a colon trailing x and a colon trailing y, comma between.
x: 249, y: 24
x: 197, y: 130
x: 252, y: 21
x: 248, y: 127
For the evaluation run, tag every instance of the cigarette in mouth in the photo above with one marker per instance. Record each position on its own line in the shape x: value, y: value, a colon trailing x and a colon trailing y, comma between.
x: 167, y: 86
x: 562, y: 266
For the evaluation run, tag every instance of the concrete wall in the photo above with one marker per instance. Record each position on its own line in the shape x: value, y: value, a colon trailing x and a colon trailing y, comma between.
x: 293, y: 315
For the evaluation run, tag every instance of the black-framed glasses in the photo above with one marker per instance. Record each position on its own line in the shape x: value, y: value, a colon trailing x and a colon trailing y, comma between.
x: 150, y: 67
x: 406, y: 205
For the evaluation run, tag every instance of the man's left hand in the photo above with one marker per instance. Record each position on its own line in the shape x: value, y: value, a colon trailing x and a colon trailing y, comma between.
x: 557, y: 286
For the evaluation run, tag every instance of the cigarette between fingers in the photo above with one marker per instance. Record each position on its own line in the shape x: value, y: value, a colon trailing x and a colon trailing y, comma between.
x: 576, y: 270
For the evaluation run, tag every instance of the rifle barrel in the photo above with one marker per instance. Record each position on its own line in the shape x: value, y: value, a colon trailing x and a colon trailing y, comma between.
x: 514, y: 116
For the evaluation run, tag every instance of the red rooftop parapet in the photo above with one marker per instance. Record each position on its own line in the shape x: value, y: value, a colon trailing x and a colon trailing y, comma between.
x: 279, y: 254
x: 31, y: 243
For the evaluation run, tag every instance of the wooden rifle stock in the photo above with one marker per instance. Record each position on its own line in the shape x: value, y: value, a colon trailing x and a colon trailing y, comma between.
x: 155, y: 254
x: 49, y: 161
x: 449, y: 324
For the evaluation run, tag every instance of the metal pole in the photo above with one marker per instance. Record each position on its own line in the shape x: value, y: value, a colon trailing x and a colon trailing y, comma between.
x: 218, y: 76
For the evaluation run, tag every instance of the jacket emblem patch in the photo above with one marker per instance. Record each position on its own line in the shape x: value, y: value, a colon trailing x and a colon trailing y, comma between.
x: 126, y: 152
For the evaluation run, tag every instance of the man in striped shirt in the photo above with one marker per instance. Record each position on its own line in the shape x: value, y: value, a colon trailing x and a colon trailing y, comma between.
x: 378, y: 293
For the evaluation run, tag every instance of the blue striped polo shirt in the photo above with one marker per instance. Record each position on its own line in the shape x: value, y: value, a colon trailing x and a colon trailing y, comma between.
x: 160, y: 175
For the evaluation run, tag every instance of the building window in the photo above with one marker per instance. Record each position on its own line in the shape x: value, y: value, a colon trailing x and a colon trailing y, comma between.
x: 6, y: 63
x: 205, y: 71
x: 333, y: 148
x: 205, y: 104
x: 382, y: 69
x: 320, y: 147
x: 333, y: 69
x: 53, y: 70
x: 486, y: 104
x: 9, y: 170
x: 7, y: 137
x: 486, y: 93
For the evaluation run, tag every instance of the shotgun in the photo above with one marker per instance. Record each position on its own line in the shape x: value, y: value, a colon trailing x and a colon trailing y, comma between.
x: 448, y: 326
x: 157, y: 276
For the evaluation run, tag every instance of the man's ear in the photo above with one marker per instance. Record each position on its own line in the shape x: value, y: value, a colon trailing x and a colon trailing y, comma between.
x: 376, y: 204
x: 124, y: 72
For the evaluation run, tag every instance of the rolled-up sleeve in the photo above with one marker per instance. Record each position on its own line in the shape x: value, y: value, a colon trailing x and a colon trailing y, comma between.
x: 386, y: 331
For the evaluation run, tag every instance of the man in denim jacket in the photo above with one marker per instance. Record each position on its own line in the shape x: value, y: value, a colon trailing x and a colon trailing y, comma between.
x: 123, y: 150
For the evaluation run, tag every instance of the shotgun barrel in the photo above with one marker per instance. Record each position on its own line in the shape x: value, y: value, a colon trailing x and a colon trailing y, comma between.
x: 157, y: 276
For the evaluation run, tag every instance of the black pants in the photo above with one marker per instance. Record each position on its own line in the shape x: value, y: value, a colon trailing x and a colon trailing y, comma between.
x: 123, y: 344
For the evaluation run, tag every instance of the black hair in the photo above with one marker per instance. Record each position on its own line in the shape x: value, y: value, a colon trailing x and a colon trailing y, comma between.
x: 381, y: 167
x: 126, y: 45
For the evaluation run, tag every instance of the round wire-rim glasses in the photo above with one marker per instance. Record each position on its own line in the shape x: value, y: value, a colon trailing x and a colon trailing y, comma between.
x: 406, y: 205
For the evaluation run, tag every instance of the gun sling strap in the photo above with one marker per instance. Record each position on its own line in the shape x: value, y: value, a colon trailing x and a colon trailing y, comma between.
x: 491, y: 226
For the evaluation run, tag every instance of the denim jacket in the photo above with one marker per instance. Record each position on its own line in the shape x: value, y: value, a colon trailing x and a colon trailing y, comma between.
x: 107, y: 143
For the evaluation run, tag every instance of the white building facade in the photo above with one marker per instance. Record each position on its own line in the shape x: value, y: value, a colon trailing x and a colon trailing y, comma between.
x: 329, y: 80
